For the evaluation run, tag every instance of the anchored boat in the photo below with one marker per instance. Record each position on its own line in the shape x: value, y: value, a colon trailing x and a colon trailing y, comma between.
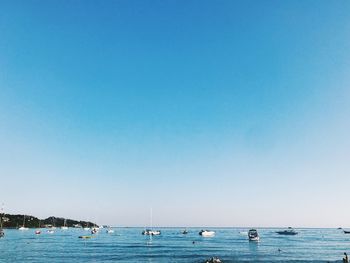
x: 207, y: 233
x: 288, y: 232
x: 253, y: 235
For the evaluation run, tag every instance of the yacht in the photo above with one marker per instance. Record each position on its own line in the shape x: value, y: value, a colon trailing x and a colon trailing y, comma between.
x: 288, y: 232
x: 253, y: 235
x: 207, y: 233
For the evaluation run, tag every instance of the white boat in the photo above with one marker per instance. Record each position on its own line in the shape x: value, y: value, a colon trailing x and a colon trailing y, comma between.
x: 2, y: 233
x: 207, y: 233
x: 64, y: 227
x: 50, y: 231
x: 23, y: 228
x: 253, y: 235
x: 109, y: 231
x: 150, y: 232
x: 87, y: 227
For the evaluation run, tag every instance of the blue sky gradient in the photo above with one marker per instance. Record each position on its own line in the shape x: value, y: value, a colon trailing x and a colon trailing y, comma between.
x: 210, y: 112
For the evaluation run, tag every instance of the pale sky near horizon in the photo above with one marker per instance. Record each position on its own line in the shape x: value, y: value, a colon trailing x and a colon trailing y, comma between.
x: 213, y: 113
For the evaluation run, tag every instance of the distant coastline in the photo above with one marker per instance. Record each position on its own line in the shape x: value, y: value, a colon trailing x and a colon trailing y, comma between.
x: 15, y: 221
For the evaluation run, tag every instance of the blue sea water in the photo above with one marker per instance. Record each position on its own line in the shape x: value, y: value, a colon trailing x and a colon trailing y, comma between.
x: 128, y: 245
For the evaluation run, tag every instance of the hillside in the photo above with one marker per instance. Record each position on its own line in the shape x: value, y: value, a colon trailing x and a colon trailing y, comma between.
x: 14, y: 221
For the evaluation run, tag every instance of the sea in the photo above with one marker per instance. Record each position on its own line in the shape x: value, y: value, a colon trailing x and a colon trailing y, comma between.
x: 129, y: 245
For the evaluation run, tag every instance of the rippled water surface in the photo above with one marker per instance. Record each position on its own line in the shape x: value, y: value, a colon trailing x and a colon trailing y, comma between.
x: 128, y: 245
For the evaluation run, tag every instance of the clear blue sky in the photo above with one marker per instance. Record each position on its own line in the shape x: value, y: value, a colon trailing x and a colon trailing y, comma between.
x: 219, y: 113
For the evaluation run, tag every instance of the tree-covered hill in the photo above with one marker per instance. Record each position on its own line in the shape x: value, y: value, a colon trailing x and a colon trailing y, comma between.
x: 14, y: 221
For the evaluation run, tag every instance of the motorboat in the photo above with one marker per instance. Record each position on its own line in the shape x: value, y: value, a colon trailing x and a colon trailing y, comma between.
x: 94, y: 230
x: 346, y: 232
x: 253, y: 235
x: 150, y: 232
x: 288, y: 232
x: 37, y: 232
x: 50, y: 231
x: 213, y: 260
x: 85, y: 237
x: 185, y: 232
x: 109, y: 231
x: 207, y: 233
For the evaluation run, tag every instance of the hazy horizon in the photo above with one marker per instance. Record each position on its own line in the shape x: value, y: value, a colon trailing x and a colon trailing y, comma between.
x: 229, y: 113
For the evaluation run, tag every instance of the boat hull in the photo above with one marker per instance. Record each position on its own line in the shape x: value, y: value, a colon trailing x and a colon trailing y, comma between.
x: 207, y: 233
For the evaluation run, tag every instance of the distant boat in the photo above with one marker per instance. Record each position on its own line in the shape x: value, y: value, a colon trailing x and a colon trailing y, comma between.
x: 86, y: 228
x: 38, y: 231
x: 346, y: 232
x: 150, y: 232
x: 288, y: 232
x: 109, y: 231
x: 253, y: 235
x: 85, y: 237
x: 2, y: 232
x: 50, y: 231
x: 185, y: 232
x: 207, y: 233
x: 94, y: 230
x: 213, y: 260
x: 64, y: 227
x: 22, y: 228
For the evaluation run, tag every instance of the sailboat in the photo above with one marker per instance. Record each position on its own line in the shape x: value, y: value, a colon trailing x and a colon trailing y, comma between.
x: 87, y: 227
x: 51, y: 229
x: 64, y: 227
x: 23, y: 226
x: 151, y: 232
x: 2, y: 233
